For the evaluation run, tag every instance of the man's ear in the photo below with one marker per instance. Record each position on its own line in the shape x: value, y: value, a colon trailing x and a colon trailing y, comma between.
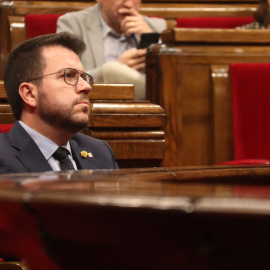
x: 28, y: 93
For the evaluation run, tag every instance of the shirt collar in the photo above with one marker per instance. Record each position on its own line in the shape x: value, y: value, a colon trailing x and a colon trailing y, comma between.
x: 45, y: 145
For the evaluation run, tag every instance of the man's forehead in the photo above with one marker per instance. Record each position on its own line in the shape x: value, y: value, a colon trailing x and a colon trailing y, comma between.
x: 51, y: 53
x: 60, y: 57
x: 55, y: 49
x: 119, y: 1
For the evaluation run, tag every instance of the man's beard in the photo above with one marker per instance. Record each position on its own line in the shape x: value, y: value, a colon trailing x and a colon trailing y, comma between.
x: 60, y: 115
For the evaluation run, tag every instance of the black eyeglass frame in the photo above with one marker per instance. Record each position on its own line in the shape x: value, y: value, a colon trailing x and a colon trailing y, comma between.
x: 79, y: 73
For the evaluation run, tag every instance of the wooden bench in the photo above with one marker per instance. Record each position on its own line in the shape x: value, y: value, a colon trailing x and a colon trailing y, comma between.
x: 134, y: 130
x: 189, y: 77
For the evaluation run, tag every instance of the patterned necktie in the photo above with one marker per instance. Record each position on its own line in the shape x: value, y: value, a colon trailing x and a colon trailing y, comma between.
x: 61, y: 154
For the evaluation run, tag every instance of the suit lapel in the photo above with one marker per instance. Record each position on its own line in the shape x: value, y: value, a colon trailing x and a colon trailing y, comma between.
x: 95, y: 36
x: 82, y: 162
x: 29, y: 154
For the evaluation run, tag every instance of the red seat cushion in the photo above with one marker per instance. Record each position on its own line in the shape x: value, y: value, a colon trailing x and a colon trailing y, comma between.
x: 213, y: 22
x: 251, y: 113
x: 5, y: 127
x: 40, y: 24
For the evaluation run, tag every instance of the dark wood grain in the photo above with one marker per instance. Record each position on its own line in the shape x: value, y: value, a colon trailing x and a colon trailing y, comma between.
x: 189, y: 77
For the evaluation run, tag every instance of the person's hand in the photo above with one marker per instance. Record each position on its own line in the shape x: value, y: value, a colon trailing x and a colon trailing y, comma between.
x: 133, y: 23
x: 134, y: 58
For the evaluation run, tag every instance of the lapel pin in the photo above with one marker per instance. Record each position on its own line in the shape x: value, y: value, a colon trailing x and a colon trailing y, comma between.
x: 85, y: 154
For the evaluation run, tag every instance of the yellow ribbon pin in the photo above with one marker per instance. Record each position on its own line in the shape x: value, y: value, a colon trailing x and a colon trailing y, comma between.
x: 85, y: 154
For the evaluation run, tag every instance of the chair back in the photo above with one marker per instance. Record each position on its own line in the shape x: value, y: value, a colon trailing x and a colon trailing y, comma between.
x: 5, y: 127
x: 40, y: 24
x: 251, y: 114
x: 213, y: 22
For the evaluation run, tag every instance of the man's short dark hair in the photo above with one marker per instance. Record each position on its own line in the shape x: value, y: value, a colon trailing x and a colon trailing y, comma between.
x: 26, y: 62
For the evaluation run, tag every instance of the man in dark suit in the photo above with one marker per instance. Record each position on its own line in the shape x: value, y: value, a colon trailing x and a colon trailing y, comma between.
x: 47, y: 90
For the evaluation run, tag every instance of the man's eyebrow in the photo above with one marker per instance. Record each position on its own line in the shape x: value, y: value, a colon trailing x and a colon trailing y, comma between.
x: 60, y: 70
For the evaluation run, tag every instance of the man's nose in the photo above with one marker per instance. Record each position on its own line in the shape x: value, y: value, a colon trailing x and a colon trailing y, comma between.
x: 128, y: 3
x: 83, y: 86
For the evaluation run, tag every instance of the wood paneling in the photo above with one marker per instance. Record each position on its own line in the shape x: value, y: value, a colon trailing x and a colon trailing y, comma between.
x: 189, y: 77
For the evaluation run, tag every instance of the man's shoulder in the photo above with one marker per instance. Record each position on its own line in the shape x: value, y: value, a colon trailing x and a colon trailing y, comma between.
x: 3, y: 136
x: 85, y: 139
x: 78, y: 14
x: 5, y: 141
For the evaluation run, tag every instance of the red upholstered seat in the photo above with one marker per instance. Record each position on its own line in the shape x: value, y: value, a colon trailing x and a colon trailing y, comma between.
x: 251, y: 110
x: 5, y: 127
x: 213, y: 22
x: 40, y: 24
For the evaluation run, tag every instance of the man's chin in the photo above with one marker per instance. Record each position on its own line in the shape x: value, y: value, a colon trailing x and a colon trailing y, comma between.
x: 78, y: 126
x: 121, y: 17
x: 78, y: 123
x: 82, y: 121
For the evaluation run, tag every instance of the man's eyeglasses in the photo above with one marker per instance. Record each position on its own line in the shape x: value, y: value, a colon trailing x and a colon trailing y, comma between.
x: 71, y: 76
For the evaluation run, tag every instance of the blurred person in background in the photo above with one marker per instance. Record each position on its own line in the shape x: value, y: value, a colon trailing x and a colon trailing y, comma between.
x: 111, y: 30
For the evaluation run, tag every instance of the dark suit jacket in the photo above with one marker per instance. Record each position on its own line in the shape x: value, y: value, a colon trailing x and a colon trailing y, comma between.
x: 19, y: 153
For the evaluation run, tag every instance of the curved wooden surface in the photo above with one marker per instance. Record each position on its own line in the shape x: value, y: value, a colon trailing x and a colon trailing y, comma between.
x: 163, y: 218
x: 12, y: 265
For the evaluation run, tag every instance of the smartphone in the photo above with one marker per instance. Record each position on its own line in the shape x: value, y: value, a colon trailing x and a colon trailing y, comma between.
x: 147, y: 39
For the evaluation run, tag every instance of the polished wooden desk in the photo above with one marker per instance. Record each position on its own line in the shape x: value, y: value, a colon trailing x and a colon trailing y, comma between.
x: 189, y: 77
x: 159, y: 218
